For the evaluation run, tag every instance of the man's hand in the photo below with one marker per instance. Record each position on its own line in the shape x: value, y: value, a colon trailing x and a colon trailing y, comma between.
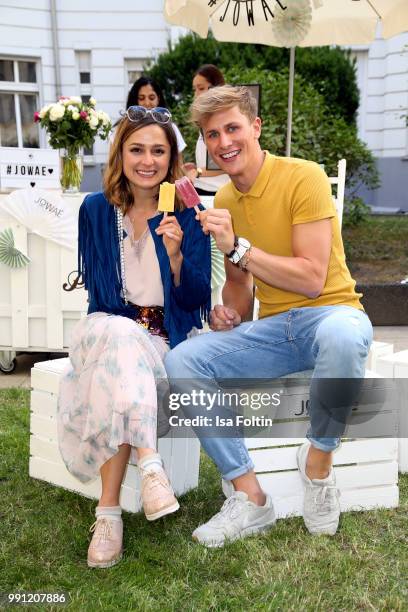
x: 223, y: 318
x: 218, y: 222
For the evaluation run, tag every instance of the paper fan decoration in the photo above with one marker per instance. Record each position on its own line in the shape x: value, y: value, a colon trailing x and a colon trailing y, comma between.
x: 44, y: 213
x: 217, y: 266
x: 9, y: 255
x: 291, y: 25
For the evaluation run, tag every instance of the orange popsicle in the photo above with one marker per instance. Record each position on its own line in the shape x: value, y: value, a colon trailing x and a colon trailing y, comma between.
x: 166, y: 198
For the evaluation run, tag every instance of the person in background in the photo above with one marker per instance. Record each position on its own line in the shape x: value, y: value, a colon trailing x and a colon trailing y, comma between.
x: 206, y: 182
x: 146, y: 92
x: 148, y: 282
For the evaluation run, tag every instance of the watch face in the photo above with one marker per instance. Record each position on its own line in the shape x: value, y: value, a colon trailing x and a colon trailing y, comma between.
x: 244, y: 243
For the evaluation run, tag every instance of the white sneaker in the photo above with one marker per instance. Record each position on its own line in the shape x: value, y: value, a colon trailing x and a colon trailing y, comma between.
x: 237, y: 518
x: 321, y: 507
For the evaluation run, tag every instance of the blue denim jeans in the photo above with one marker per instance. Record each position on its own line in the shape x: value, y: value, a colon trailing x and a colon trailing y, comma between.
x: 333, y: 341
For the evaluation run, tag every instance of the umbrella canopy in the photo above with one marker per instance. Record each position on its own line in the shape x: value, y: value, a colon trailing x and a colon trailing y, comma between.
x: 325, y: 22
x: 290, y: 23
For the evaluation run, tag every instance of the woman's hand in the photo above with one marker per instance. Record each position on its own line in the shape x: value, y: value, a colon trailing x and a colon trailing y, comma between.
x: 223, y: 318
x: 172, y: 234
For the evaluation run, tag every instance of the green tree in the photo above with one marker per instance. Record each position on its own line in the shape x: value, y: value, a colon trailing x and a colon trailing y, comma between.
x: 318, y: 133
x: 330, y: 70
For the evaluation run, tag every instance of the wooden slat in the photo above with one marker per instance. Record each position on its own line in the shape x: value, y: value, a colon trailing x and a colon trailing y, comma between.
x: 289, y: 484
x: 54, y: 329
x: 354, y: 451
x: 374, y: 497
x: 43, y: 404
x: 19, y: 292
x: 57, y: 474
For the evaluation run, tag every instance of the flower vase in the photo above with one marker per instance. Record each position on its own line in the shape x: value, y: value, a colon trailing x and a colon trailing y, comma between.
x: 71, y: 169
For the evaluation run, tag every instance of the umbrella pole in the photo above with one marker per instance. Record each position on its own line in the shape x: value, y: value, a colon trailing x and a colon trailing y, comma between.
x: 290, y: 100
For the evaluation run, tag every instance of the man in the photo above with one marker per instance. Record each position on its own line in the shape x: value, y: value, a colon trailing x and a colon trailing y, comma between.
x: 277, y: 226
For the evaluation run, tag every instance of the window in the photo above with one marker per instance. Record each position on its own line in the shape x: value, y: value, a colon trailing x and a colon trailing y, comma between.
x: 83, y: 60
x: 18, y: 102
x: 84, y: 67
x: 134, y: 70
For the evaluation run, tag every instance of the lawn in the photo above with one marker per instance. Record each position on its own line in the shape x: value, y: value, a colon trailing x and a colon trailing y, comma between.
x: 377, y: 250
x: 44, y: 536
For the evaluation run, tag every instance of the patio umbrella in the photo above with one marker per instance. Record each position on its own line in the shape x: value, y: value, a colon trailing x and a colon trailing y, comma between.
x: 290, y: 23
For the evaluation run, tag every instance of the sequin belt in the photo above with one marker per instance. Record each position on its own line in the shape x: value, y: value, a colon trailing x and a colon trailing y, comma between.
x: 151, y: 318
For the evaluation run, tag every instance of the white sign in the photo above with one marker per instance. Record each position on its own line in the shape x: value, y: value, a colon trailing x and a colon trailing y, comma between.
x: 21, y: 168
x: 45, y: 213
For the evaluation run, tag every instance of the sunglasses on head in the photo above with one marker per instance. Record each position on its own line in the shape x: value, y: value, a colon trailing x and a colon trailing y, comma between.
x: 159, y: 114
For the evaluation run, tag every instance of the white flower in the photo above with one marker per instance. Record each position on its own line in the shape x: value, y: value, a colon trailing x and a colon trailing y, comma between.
x: 44, y: 110
x: 75, y: 100
x: 93, y: 122
x: 65, y: 101
x: 104, y: 117
x: 57, y: 111
x: 92, y: 101
x: 75, y: 115
x: 72, y: 108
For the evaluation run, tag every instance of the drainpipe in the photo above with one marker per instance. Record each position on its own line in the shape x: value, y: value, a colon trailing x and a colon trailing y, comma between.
x: 55, y: 47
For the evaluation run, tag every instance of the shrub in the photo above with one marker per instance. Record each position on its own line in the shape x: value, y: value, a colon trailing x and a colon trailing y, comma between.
x: 317, y: 134
x: 330, y: 70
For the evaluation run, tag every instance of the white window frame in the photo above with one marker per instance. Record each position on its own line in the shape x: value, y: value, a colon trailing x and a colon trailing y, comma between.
x: 85, y: 89
x: 16, y: 87
x: 134, y: 64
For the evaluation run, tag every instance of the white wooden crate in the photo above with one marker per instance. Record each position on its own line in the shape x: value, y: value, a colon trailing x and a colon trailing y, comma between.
x: 36, y: 314
x: 396, y: 366
x: 180, y: 456
x: 366, y: 469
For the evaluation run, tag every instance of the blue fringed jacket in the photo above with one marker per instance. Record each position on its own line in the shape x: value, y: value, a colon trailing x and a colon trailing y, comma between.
x: 99, y: 265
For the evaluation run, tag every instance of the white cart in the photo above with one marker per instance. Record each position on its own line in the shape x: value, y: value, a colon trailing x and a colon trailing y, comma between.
x: 36, y: 313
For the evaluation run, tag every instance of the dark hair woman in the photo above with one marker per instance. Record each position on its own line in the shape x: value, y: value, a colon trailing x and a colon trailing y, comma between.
x: 146, y: 92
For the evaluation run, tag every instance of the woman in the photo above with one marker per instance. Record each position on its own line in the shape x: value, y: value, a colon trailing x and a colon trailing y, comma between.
x: 207, y: 182
x: 146, y: 92
x: 129, y: 254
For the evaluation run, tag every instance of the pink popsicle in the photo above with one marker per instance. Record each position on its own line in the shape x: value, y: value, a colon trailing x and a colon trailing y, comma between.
x: 186, y: 190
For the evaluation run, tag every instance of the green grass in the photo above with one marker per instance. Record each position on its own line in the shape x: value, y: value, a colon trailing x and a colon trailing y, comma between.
x: 44, y: 538
x: 377, y: 250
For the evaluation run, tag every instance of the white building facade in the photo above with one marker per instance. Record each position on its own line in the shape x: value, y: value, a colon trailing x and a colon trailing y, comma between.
x: 71, y: 47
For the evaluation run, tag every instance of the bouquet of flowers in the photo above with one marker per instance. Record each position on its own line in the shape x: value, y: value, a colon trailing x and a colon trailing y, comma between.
x: 72, y: 124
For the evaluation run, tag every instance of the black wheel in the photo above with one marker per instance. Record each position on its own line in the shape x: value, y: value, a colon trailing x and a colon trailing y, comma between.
x: 8, y: 368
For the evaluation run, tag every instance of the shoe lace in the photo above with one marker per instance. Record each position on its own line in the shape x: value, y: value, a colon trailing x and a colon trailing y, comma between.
x: 154, y: 479
x: 325, y: 497
x: 102, y: 529
x: 231, y: 508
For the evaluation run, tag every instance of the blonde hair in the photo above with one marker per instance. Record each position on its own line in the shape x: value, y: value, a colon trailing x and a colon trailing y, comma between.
x: 222, y: 98
x: 116, y: 186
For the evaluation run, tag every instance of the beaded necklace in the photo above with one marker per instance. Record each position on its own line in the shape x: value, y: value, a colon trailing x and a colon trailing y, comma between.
x: 119, y: 225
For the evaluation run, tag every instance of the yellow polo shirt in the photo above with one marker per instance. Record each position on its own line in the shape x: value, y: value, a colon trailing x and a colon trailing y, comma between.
x: 288, y: 191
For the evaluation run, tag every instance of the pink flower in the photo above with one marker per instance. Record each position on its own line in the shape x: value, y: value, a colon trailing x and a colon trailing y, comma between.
x: 36, y: 116
x: 83, y: 115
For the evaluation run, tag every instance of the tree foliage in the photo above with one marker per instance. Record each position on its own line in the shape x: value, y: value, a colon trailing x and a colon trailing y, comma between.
x: 330, y: 70
x: 317, y: 133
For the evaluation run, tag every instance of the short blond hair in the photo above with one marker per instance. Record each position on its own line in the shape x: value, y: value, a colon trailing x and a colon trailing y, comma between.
x: 222, y: 98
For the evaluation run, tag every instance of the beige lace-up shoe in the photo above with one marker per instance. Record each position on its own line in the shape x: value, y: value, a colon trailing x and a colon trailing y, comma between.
x: 157, y: 494
x: 105, y: 548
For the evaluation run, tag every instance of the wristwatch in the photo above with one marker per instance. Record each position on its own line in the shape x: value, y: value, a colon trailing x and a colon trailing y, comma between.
x: 199, y: 172
x: 241, y: 246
